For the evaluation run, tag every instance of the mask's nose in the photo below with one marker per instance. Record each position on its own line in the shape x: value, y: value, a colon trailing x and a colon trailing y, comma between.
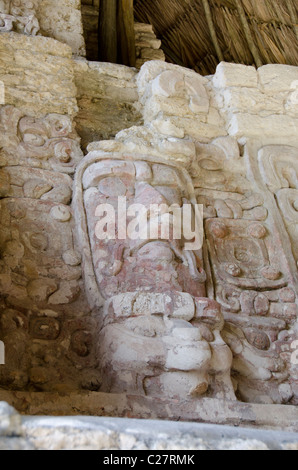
x: 147, y: 195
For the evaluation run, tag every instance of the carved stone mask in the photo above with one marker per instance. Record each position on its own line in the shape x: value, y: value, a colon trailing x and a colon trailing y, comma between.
x: 152, y: 264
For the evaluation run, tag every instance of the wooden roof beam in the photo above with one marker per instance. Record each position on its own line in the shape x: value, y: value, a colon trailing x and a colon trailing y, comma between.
x: 212, y: 30
x: 248, y: 34
x: 116, y: 35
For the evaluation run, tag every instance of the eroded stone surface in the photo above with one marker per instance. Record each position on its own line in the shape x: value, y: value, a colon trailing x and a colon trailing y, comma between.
x: 181, y: 327
x: 42, y: 17
x: 148, y: 47
x: 19, y: 16
x: 82, y: 433
x: 37, y: 73
x: 107, y: 99
x: 180, y: 352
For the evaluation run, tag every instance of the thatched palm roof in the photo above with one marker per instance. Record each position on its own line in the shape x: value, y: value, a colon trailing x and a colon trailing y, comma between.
x: 200, y: 33
x: 243, y: 31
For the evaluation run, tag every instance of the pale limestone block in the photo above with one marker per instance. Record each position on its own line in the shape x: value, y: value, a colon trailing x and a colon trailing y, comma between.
x: 148, y: 41
x: 186, y: 352
x: 249, y: 125
x: 199, y: 130
x: 107, y: 98
x: 37, y: 73
x: 37, y: 44
x: 215, y: 119
x: 277, y: 77
x: 291, y: 104
x: 10, y: 420
x: 143, y: 28
x: 168, y: 128
x: 123, y: 304
x: 252, y: 101
x: 235, y: 75
x: 63, y: 23
x: 174, y: 146
x: 184, y: 307
x: 152, y: 69
x: 120, y: 72
x: 177, y: 93
x: 150, y: 304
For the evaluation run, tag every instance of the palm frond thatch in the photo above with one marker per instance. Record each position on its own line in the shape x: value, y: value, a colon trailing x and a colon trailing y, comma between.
x: 271, y: 37
x: 200, y: 33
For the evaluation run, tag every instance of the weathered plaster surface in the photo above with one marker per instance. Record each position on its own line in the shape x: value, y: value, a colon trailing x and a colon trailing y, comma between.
x: 234, y: 136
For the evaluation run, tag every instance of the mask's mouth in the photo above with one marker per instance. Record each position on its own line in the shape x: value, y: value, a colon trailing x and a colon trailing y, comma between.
x: 187, y: 258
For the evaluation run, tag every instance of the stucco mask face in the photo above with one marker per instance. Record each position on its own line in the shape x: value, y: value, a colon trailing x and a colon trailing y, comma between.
x: 154, y: 263
x: 159, y: 335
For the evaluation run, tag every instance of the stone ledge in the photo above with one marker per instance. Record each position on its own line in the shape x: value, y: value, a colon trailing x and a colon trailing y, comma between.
x: 253, y: 126
x: 36, y: 44
x: 206, y: 410
x: 91, y: 433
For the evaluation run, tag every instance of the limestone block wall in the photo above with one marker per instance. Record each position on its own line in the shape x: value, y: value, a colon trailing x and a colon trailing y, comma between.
x: 42, y: 301
x: 148, y: 47
x: 258, y: 104
x: 107, y: 98
x: 235, y: 134
x: 37, y: 74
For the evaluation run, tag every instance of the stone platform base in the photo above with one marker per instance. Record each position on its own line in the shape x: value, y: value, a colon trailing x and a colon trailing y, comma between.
x: 87, y: 433
x: 206, y: 410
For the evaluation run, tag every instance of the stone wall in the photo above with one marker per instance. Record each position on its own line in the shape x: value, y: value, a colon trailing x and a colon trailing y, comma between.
x: 42, y: 17
x: 148, y: 47
x: 108, y: 100
x: 247, y: 185
x: 42, y: 302
x: 234, y: 135
x: 37, y: 74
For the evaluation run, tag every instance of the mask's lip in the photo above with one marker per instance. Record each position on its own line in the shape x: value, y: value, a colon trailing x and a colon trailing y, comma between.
x: 150, y: 241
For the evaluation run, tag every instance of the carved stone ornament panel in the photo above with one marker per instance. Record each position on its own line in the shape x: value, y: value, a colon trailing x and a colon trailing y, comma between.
x: 18, y: 16
x: 249, y: 270
x: 160, y: 335
x: 279, y: 170
x: 48, y: 143
x: 243, y: 254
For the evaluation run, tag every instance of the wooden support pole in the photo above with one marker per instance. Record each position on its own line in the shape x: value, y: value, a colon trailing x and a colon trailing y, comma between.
x: 248, y: 34
x: 107, y: 31
x: 212, y: 30
x: 126, y: 33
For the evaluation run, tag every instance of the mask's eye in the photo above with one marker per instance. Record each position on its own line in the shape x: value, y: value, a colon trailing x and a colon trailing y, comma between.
x: 112, y: 187
x: 210, y: 164
x: 34, y: 139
